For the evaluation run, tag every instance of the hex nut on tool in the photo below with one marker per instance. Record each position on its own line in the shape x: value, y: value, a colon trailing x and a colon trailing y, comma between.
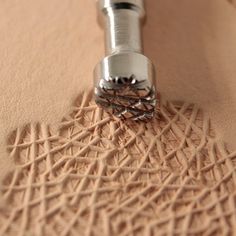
x: 125, y: 79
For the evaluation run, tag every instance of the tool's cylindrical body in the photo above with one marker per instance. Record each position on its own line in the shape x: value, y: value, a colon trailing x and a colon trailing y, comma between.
x: 124, y: 79
x: 122, y: 29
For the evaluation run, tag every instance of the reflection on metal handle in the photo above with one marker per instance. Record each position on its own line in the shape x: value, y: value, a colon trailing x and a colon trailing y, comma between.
x: 122, y: 25
x: 124, y: 79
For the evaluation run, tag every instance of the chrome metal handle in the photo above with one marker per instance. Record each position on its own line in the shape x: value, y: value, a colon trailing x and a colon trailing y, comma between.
x: 121, y: 20
x: 125, y: 78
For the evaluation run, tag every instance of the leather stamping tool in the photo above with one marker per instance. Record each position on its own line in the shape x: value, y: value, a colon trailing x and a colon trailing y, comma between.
x: 125, y: 78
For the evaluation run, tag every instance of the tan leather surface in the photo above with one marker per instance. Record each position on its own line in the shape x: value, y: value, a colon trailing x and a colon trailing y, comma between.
x: 49, y: 49
x: 97, y: 175
x: 48, y: 52
x: 232, y: 2
x: 192, y: 44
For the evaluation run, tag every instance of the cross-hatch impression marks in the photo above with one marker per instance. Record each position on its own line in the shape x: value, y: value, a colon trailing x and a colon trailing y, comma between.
x: 100, y: 176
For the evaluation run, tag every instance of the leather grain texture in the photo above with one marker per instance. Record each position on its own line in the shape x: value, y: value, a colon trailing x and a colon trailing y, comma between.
x: 97, y: 175
x: 48, y: 51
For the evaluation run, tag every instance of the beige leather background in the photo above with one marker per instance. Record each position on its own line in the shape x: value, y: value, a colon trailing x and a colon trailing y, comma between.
x: 49, y: 49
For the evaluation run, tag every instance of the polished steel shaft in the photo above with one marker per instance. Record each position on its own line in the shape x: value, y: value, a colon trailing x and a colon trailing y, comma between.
x: 122, y: 24
x: 124, y: 79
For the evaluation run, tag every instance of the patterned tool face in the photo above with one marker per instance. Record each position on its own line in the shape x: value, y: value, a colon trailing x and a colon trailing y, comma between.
x: 127, y: 97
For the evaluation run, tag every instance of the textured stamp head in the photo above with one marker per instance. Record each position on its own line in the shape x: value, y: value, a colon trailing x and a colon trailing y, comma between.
x: 124, y: 86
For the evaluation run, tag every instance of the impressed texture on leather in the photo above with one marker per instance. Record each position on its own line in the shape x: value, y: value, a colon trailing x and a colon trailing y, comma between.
x: 101, y: 176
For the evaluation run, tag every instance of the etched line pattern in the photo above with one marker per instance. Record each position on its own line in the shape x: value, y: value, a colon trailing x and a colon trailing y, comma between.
x: 101, y: 176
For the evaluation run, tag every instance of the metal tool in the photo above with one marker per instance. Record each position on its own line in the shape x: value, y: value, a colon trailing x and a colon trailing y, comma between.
x: 124, y: 79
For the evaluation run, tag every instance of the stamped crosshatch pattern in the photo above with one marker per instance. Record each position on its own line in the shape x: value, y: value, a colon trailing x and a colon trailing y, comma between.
x: 100, y: 176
